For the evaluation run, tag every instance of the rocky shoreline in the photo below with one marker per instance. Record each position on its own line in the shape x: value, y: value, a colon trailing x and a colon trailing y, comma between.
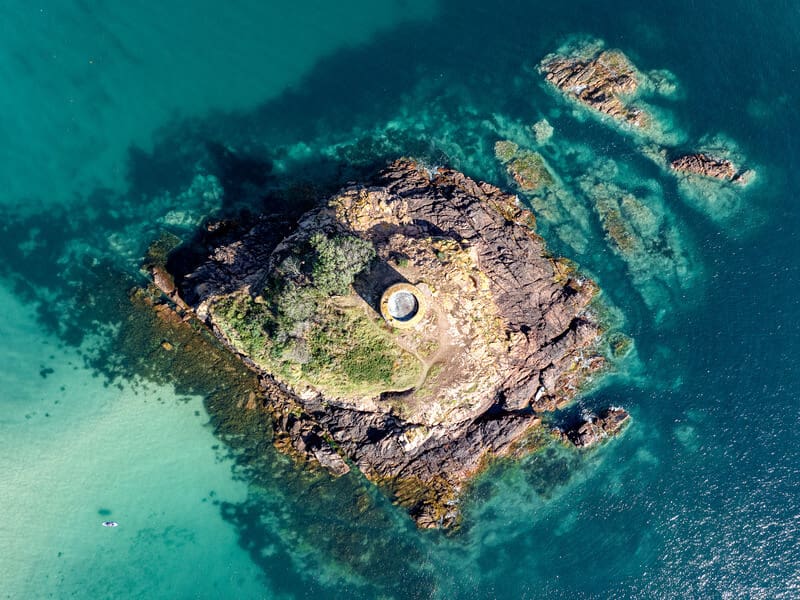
x: 510, y: 333
x: 603, y: 81
x: 593, y: 429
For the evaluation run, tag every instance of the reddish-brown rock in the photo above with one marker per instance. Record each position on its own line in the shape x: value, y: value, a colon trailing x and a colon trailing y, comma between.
x: 708, y: 166
x: 602, y: 81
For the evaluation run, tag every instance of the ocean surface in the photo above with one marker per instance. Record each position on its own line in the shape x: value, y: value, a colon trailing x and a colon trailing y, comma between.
x: 121, y: 120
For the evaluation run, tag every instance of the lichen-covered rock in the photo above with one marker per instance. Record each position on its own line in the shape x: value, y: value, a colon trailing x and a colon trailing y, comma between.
x: 526, y: 167
x: 508, y: 331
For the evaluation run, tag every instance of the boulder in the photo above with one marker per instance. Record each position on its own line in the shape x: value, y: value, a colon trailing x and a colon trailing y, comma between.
x: 596, y: 428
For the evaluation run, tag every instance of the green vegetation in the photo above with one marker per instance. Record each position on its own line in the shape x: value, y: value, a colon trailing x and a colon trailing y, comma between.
x: 353, y: 354
x: 429, y: 386
x: 312, y: 272
x: 297, y: 329
x: 337, y: 261
x: 428, y: 348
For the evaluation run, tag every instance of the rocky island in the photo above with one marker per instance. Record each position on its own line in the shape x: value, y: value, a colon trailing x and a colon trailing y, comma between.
x: 710, y: 166
x: 601, y: 80
x: 414, y: 328
x: 605, y: 83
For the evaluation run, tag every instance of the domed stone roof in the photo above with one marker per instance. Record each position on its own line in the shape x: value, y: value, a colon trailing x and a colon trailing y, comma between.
x: 402, y: 305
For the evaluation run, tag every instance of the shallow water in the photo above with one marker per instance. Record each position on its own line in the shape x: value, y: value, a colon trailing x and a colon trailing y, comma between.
x: 121, y: 121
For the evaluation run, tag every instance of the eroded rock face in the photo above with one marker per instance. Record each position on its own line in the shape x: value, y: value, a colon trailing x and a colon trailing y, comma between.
x: 595, y: 429
x: 508, y: 332
x: 709, y: 166
x: 602, y: 81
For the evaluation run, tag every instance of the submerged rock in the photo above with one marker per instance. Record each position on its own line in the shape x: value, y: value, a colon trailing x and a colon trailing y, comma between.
x: 542, y: 131
x: 642, y: 230
x: 596, y: 428
x: 526, y: 167
x: 607, y: 84
x: 497, y: 331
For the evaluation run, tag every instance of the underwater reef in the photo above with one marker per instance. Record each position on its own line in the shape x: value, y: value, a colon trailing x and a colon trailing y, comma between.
x: 494, y: 333
x: 613, y: 215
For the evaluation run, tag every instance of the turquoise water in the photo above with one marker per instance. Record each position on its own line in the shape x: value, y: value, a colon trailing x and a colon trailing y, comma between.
x: 122, y: 120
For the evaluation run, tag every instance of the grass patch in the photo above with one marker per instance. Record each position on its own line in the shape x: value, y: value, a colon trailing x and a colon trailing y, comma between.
x: 430, y: 384
x: 342, y: 351
x: 354, y: 354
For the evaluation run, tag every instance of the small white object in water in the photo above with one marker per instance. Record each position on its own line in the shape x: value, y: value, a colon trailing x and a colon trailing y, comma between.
x: 110, y: 524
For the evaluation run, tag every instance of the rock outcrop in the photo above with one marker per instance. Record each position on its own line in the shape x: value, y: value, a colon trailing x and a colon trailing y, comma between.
x: 709, y: 166
x: 509, y: 332
x: 596, y: 428
x: 603, y: 81
x: 527, y: 168
x: 608, y: 84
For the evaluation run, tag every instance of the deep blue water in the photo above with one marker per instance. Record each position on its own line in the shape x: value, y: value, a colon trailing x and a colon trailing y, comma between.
x: 122, y: 120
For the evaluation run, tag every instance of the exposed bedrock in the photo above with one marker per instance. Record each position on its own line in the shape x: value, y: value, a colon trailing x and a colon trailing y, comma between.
x: 709, y: 166
x: 596, y: 428
x: 603, y: 81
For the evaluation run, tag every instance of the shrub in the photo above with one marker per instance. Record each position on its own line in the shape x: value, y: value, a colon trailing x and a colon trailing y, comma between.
x: 296, y: 330
x: 338, y: 260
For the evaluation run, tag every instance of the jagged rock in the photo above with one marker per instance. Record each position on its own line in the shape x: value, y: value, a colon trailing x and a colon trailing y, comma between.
x: 602, y: 81
x: 595, y: 429
x: 507, y: 333
x: 709, y: 166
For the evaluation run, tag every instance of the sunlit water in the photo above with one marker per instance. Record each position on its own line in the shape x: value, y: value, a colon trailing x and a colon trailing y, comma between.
x: 120, y: 121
